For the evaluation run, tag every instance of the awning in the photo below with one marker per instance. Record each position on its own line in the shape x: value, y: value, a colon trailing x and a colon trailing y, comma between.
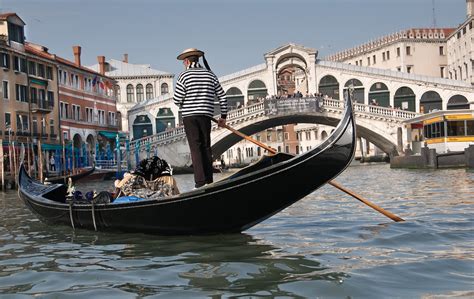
x: 112, y: 135
x: 51, y: 147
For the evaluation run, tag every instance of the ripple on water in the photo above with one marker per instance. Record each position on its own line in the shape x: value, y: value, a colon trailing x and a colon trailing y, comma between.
x: 328, y: 245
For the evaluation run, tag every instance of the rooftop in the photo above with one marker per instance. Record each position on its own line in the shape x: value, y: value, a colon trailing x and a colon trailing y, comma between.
x: 117, y: 68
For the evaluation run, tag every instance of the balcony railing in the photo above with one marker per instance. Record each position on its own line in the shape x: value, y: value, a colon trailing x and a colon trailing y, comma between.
x: 42, y: 106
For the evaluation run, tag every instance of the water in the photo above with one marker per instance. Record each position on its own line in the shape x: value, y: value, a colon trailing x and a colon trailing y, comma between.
x: 328, y: 245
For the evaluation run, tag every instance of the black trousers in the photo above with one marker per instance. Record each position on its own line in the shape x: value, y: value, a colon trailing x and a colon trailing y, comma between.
x: 198, y: 133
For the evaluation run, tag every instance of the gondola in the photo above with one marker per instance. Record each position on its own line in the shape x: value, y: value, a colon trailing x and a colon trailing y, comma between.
x: 231, y: 205
x: 75, y: 177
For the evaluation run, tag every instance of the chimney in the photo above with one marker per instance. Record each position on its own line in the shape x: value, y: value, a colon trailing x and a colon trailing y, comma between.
x: 125, y: 58
x: 101, y: 60
x: 470, y: 8
x: 77, y: 54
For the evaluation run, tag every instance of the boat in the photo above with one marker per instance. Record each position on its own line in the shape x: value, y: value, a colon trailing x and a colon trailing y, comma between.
x: 84, y: 172
x: 231, y: 205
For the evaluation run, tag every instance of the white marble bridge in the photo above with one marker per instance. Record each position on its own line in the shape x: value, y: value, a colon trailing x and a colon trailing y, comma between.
x: 379, y: 125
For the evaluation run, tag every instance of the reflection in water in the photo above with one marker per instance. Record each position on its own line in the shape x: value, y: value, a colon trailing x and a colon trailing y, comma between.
x: 238, y: 264
x: 327, y: 245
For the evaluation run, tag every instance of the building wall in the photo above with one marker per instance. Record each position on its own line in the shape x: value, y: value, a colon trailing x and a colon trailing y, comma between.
x: 418, y: 56
x: 123, y: 105
x: 81, y: 92
x: 461, y: 52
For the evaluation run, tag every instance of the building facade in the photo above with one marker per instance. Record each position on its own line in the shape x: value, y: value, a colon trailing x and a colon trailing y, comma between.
x: 87, y: 107
x: 461, y: 49
x: 421, y: 51
x: 135, y: 83
x: 29, y: 93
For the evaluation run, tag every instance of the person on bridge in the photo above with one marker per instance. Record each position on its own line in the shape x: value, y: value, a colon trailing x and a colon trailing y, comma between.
x: 195, y: 91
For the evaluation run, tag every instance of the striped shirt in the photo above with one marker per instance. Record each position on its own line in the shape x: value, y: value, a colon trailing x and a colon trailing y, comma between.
x: 196, y: 91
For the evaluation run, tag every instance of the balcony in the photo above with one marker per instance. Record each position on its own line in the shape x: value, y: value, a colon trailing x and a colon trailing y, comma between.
x: 42, y: 106
x: 3, y: 39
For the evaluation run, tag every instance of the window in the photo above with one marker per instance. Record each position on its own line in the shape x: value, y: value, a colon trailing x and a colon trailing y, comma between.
x: 43, y: 125
x: 41, y: 95
x: 112, y: 118
x: 130, y: 98
x: 441, y: 70
x: 51, y: 98
x: 16, y: 33
x: 398, y: 52
x: 7, y: 120
x: 470, y: 127
x: 164, y: 88
x: 409, y: 68
x: 399, y: 69
x: 287, y: 136
x: 408, y: 50
x: 76, y: 112
x: 5, y: 90
x: 456, y: 128
x: 374, y: 59
x: 149, y: 91
x: 22, y: 123
x: 5, y: 60
x: 65, y: 135
x: 368, y: 60
x: 360, y: 62
x: 41, y: 70
x: 308, y: 135
x: 32, y: 68
x: 269, y: 136
x: 49, y: 73
x: 51, y: 126
x: 21, y: 93
x: 383, y: 56
x: 88, y: 114
x: 34, y: 123
x: 139, y: 93
x: 388, y: 55
x: 357, y: 62
x: 287, y: 149
x: 16, y: 63
x: 441, y: 50
x: 33, y: 95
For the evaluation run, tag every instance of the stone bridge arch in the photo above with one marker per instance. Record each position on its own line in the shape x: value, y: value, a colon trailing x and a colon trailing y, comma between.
x: 224, y: 139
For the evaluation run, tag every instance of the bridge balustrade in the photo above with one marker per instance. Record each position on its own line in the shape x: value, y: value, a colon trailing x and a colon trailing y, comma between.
x: 262, y: 108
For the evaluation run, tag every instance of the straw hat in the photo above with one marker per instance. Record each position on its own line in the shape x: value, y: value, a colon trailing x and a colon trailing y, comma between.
x: 190, y: 52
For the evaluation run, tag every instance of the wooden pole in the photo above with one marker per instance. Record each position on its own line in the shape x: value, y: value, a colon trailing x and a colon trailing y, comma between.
x: 1, y: 164
x: 365, y: 201
x: 64, y: 165
x: 332, y: 183
x: 14, y: 162
x: 40, y: 157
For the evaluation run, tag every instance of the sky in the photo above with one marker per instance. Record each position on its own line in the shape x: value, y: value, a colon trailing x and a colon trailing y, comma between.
x: 235, y: 34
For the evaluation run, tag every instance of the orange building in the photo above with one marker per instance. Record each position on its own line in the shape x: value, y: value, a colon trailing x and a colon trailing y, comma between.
x: 87, y: 108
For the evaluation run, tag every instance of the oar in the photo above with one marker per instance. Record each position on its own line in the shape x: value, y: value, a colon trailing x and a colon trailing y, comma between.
x: 332, y: 183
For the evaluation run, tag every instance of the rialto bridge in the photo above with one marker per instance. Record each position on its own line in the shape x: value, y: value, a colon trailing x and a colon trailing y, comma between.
x: 378, y: 125
x: 294, y: 68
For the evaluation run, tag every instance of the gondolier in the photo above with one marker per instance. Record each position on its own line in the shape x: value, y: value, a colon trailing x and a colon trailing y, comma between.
x: 195, y: 92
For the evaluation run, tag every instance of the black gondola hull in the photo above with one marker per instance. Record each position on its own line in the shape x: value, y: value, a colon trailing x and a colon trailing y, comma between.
x: 231, y: 205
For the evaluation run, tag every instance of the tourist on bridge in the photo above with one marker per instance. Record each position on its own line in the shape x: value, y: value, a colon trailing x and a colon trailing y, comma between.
x: 196, y: 89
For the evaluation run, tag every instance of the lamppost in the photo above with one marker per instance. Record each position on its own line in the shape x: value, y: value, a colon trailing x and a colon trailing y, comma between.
x: 9, y: 129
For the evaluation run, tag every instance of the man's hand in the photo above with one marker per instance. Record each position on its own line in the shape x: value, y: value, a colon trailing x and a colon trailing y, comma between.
x: 221, y: 122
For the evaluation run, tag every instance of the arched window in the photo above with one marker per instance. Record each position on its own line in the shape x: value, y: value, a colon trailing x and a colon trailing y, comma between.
x: 164, y: 88
x: 149, y: 91
x: 130, y: 96
x: 117, y: 92
x: 139, y: 93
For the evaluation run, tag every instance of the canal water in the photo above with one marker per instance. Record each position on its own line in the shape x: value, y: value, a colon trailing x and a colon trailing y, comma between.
x: 327, y: 245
